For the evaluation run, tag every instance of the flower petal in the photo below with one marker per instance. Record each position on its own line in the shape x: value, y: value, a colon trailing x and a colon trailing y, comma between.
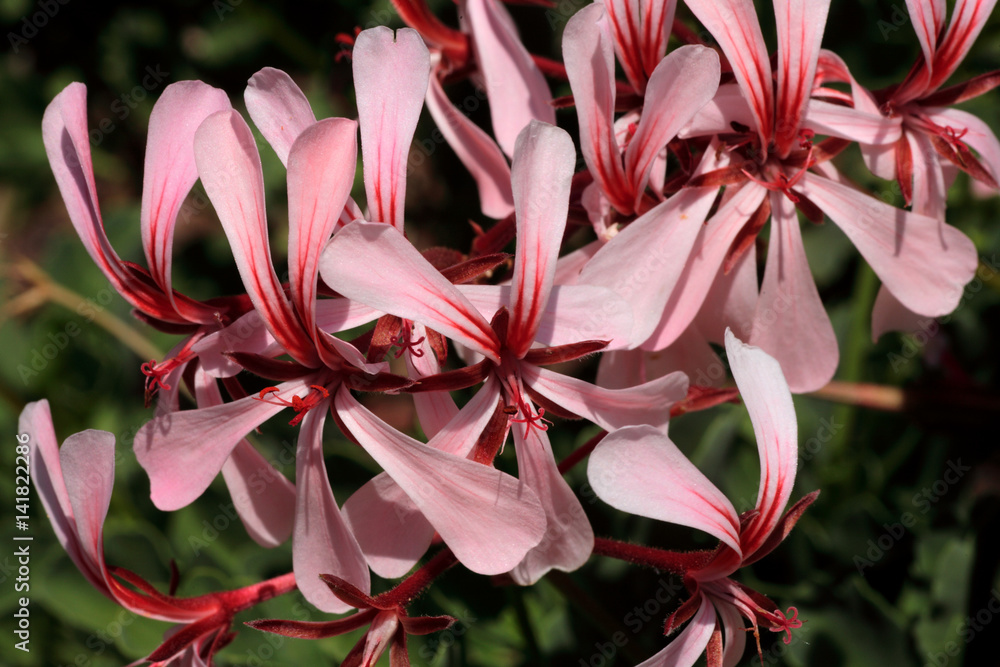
x: 47, y: 474
x: 478, y: 152
x: 790, y: 322
x: 487, y: 518
x: 637, y: 469
x: 644, y: 261
x: 611, y: 409
x: 169, y: 173
x: 262, y: 496
x: 734, y: 25
x: 924, y: 262
x: 390, y: 77
x: 569, y: 539
x: 683, y: 82
x: 515, y: 86
x: 541, y: 176
x: 278, y: 108
x: 229, y: 166
x: 590, y: 67
x: 182, y: 452
x: 800, y: 30
x: 323, y: 543
x: 413, y: 291
x: 321, y: 167
x: 769, y: 401
x: 685, y: 650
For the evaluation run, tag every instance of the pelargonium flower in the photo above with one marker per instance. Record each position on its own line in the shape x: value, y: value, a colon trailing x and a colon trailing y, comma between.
x: 533, y: 323
x: 936, y: 139
x: 772, y: 168
x: 74, y: 483
x: 639, y: 470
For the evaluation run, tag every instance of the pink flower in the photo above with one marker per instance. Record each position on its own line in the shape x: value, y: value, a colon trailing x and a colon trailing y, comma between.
x: 534, y: 323
x: 936, y: 140
x: 639, y: 470
x: 74, y: 483
x: 772, y: 168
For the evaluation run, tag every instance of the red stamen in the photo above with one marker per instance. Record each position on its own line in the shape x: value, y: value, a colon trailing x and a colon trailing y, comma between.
x: 155, y: 372
x: 404, y: 341
x: 786, y: 624
x: 300, y: 405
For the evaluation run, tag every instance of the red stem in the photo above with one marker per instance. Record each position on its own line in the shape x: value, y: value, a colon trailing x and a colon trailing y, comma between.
x: 675, y: 562
x: 414, y: 585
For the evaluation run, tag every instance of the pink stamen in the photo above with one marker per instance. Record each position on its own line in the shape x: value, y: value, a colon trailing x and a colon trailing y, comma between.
x: 786, y: 624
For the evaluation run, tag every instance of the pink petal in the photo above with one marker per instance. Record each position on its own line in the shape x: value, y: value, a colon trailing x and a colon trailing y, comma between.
x: 889, y: 314
x: 929, y: 192
x: 637, y: 469
x: 541, y: 175
x: 488, y: 519
x: 734, y: 24
x: 977, y: 134
x: 611, y: 409
x: 88, y: 466
x: 640, y: 29
x: 731, y: 301
x: 590, y: 67
x: 278, y: 108
x: 413, y: 291
x: 321, y: 168
x: 800, y: 31
x: 568, y: 540
x: 434, y: 408
x: 323, y: 543
x: 769, y: 402
x: 390, y: 528
x: 644, y: 261
x: 925, y: 263
x: 515, y: 86
x: 790, y: 322
x: 247, y: 334
x: 968, y: 18
x: 229, y: 166
x: 928, y: 22
x: 47, y: 474
x: 570, y: 314
x: 679, y: 87
x: 718, y: 115
x: 478, y: 152
x: 169, y: 171
x: 67, y: 145
x: 182, y: 452
x: 734, y: 634
x: 685, y: 650
x: 836, y: 120
x: 262, y: 496
x: 390, y: 77
x: 704, y: 265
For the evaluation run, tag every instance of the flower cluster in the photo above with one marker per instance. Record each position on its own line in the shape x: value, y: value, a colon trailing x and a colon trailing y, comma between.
x: 684, y: 162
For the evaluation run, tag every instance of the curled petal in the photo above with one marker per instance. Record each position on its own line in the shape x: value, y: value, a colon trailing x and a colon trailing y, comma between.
x: 278, y: 108
x: 638, y: 470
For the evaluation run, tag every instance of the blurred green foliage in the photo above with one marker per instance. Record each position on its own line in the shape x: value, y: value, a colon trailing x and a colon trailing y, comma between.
x: 915, y: 592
